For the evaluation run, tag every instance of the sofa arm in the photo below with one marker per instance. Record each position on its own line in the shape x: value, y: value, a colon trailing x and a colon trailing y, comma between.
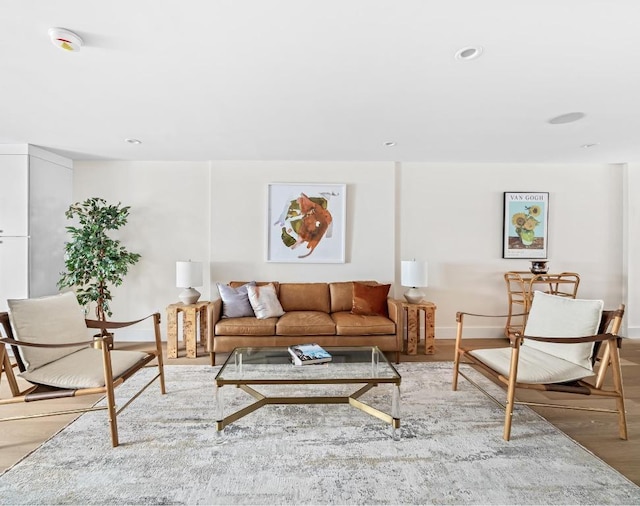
x: 394, y: 307
x: 215, y: 313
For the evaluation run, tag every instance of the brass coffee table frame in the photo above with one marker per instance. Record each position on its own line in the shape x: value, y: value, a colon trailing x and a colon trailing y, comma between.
x: 244, y: 383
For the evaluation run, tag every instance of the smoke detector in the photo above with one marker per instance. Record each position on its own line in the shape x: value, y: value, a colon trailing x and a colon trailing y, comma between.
x: 65, y: 39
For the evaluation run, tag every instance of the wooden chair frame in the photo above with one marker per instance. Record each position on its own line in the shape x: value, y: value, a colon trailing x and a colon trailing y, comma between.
x: 105, y: 340
x: 606, y: 353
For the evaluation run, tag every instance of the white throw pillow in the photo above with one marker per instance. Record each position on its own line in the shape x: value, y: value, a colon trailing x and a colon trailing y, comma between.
x: 55, y: 319
x: 264, y: 301
x: 235, y: 301
x: 555, y: 316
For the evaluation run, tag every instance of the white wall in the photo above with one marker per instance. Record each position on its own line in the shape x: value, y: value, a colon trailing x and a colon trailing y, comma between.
x: 239, y: 222
x: 450, y: 215
x: 169, y: 221
x: 631, y: 249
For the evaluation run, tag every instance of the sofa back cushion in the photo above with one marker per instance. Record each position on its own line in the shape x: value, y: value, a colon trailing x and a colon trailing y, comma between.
x: 305, y: 297
x: 238, y: 284
x: 342, y: 295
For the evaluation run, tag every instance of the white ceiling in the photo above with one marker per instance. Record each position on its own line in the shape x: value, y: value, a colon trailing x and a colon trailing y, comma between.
x: 324, y: 80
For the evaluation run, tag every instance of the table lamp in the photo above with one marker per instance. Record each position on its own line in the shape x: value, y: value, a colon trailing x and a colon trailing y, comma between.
x: 188, y: 275
x: 414, y: 274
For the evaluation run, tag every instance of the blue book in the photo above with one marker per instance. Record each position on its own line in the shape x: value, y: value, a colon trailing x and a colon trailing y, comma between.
x: 304, y: 354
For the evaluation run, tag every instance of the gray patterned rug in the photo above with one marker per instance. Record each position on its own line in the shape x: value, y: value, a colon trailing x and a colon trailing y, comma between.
x: 451, y: 452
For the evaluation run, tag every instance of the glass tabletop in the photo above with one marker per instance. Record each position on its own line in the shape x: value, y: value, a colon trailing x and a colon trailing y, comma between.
x: 264, y: 365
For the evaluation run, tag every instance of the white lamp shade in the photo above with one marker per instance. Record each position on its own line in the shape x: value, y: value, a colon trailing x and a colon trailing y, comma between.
x: 414, y: 273
x: 188, y: 274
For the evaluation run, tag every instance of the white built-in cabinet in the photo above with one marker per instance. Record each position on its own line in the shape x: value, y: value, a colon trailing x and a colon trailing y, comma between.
x: 35, y: 191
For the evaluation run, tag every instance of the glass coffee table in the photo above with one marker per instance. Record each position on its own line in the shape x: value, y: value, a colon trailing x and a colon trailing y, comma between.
x: 359, y: 365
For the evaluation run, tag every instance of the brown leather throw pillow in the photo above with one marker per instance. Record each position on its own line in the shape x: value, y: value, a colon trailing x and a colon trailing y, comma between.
x: 370, y: 299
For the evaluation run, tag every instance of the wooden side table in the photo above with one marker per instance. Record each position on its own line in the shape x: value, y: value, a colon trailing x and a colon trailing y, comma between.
x: 192, y: 315
x: 412, y: 317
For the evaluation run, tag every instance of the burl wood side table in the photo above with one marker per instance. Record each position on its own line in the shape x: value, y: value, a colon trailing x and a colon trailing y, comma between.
x: 193, y: 316
x: 412, y: 317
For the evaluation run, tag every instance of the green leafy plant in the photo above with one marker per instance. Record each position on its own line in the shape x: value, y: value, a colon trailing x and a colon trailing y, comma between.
x: 93, y: 260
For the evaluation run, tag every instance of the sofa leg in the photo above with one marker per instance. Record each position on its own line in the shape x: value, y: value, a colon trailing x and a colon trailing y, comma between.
x: 212, y: 356
x: 397, y: 357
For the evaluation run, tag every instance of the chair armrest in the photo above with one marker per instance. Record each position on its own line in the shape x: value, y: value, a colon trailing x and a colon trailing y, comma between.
x: 13, y: 342
x: 103, y: 325
x: 576, y: 340
x: 461, y: 314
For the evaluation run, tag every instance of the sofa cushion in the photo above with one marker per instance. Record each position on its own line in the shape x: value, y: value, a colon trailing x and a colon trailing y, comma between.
x: 264, y: 301
x: 54, y: 319
x: 305, y: 323
x: 247, y: 326
x: 342, y: 294
x: 235, y: 301
x: 370, y: 300
x: 348, y: 324
x: 304, y: 297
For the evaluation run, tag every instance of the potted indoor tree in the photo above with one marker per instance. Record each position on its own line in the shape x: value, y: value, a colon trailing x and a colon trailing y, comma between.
x: 93, y: 260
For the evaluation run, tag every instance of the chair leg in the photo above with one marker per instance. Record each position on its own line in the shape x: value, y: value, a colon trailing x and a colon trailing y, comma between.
x: 614, y: 357
x: 159, y: 359
x: 604, y: 364
x: 111, y: 401
x: 456, y: 358
x: 456, y: 369
x: 5, y: 365
x: 511, y: 390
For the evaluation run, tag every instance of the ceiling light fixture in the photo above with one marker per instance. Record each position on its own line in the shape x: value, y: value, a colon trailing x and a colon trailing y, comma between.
x: 570, y: 117
x: 590, y: 145
x: 468, y: 53
x: 133, y: 141
x: 65, y: 39
x: 389, y: 144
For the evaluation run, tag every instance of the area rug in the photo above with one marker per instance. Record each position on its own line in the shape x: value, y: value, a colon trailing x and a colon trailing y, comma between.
x: 451, y: 452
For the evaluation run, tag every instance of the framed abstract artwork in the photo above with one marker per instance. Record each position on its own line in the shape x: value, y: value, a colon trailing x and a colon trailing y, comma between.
x: 525, y: 225
x: 306, y: 222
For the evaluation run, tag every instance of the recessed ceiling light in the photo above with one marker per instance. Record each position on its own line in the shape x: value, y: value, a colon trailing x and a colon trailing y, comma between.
x: 389, y: 144
x: 590, y: 145
x: 468, y: 53
x: 133, y: 141
x: 570, y: 117
x: 65, y: 39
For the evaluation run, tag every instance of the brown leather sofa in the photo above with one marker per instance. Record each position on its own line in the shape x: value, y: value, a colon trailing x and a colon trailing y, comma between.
x: 314, y: 312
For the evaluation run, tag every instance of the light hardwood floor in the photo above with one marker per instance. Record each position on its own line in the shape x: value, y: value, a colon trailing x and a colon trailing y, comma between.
x: 597, y: 432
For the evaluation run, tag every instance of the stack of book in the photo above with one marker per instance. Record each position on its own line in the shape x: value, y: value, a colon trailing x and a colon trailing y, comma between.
x: 304, y: 354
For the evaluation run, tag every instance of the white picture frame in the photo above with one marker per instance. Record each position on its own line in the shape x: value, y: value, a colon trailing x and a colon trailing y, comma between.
x: 306, y: 222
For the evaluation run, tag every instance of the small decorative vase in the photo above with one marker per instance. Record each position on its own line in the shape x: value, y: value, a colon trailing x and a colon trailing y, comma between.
x: 539, y: 266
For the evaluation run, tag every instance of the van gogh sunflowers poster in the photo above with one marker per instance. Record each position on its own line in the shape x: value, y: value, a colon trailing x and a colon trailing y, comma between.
x: 526, y: 221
